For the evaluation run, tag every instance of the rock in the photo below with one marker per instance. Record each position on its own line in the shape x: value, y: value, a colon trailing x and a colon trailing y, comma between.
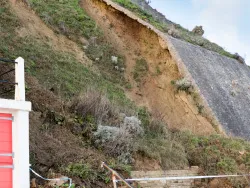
x: 59, y: 182
x: 33, y: 183
x: 239, y: 58
x: 198, y: 30
x: 174, y: 32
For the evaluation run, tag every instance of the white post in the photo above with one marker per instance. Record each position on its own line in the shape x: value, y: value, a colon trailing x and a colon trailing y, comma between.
x: 19, y: 79
x: 21, y: 174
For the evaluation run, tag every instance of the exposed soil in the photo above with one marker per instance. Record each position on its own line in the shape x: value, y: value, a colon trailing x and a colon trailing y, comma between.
x: 134, y: 41
x: 155, y: 91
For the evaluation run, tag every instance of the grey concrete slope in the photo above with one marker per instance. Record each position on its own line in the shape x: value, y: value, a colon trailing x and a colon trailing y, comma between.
x: 224, y: 82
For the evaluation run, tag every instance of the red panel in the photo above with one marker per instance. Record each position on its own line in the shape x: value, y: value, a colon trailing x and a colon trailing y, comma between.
x: 5, y: 148
x: 5, y: 128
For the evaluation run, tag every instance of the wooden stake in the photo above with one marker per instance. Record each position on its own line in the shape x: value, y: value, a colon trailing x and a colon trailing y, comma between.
x: 114, y: 180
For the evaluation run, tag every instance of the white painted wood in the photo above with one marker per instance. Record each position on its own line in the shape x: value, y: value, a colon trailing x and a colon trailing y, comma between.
x: 19, y: 79
x: 19, y: 108
x: 21, y: 174
x: 15, y: 105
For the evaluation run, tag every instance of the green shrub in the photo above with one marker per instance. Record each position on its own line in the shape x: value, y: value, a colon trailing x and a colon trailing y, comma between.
x: 227, y: 165
x: 183, y: 85
x: 81, y: 170
x: 215, y: 154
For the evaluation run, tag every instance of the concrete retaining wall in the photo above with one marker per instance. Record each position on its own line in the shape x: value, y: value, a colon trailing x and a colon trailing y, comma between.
x: 223, y: 82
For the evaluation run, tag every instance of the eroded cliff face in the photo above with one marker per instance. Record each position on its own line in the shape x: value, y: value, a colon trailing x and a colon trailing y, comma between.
x: 136, y: 40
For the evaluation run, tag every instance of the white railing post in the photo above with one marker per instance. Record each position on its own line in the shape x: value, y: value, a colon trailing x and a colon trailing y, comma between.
x: 19, y: 79
x: 20, y: 135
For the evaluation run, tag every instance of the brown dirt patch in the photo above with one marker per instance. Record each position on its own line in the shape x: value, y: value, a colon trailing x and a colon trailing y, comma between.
x: 155, y: 91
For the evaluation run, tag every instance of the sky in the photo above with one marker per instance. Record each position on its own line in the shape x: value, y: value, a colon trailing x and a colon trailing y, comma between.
x: 226, y: 22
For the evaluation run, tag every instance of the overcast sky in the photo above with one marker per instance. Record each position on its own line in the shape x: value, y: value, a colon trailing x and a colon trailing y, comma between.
x: 226, y: 22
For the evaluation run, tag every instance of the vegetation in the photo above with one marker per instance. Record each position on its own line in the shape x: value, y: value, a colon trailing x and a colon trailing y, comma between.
x: 66, y: 17
x: 101, y: 53
x: 61, y: 77
x: 183, y: 85
x: 214, y: 154
x: 62, y: 137
x: 183, y: 33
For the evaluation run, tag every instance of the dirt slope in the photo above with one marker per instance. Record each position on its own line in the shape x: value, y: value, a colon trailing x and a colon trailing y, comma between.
x: 136, y: 41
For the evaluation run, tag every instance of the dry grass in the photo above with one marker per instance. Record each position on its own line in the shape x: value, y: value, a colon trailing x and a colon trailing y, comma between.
x: 95, y: 104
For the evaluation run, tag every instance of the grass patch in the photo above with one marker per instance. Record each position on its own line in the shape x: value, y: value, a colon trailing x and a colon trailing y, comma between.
x: 53, y: 69
x: 81, y: 170
x: 142, y: 14
x: 66, y: 17
x: 216, y: 154
x: 101, y: 54
x: 160, y: 144
x: 86, y: 172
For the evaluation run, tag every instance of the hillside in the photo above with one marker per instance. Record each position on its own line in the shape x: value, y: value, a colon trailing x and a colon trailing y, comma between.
x: 95, y: 63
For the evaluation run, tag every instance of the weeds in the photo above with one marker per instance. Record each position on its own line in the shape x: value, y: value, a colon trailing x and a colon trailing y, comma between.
x: 216, y: 154
x: 183, y: 85
x: 159, y: 143
x: 101, y: 53
x: 81, y: 170
x: 93, y: 104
